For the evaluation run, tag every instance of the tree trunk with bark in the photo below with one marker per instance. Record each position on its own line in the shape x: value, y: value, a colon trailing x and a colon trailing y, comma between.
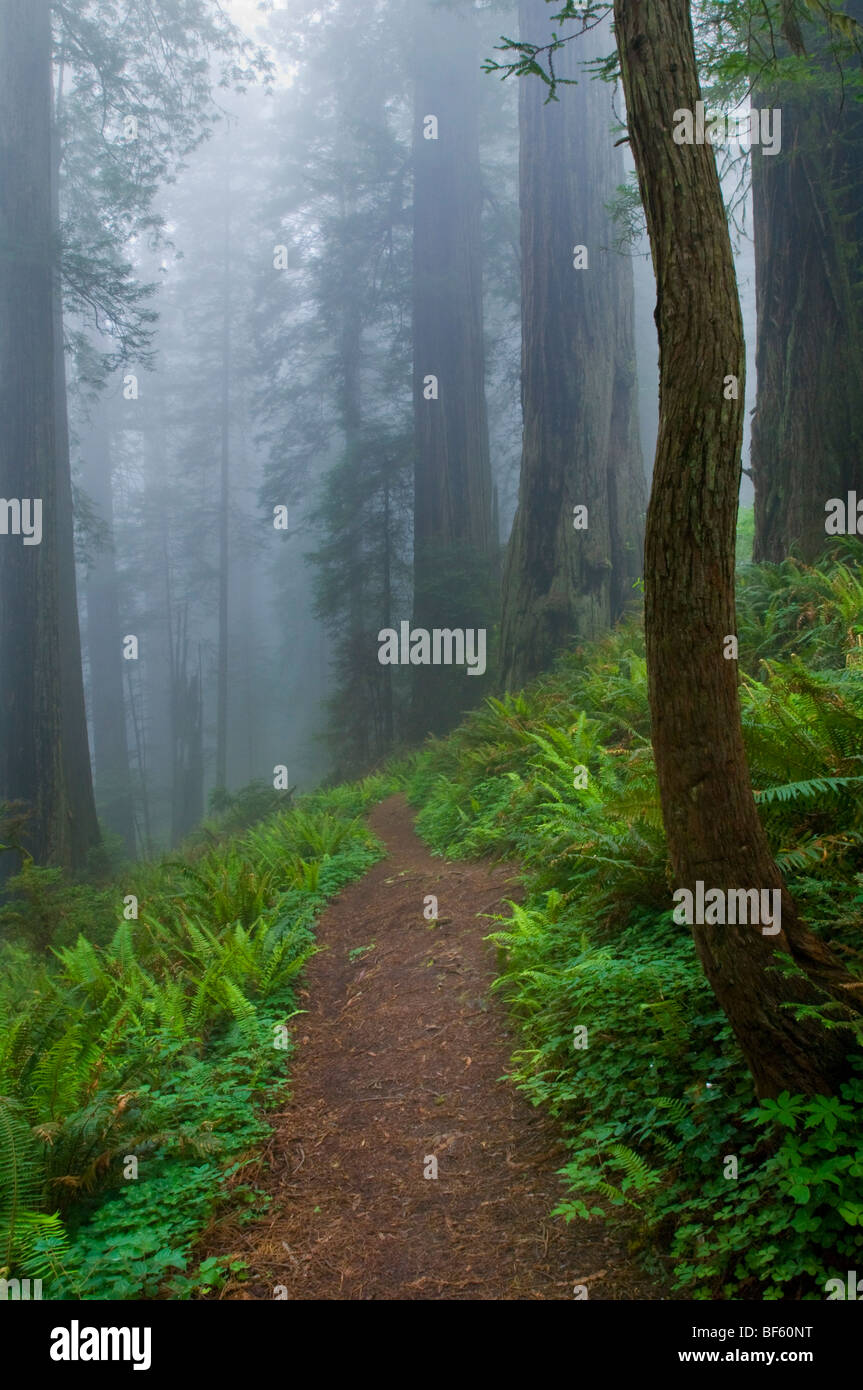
x: 453, y: 544
x: 84, y: 824
x: 32, y: 771
x: 807, y: 431
x: 224, y: 505
x: 579, y: 394
x: 712, y: 825
x: 104, y: 649
x: 187, y: 730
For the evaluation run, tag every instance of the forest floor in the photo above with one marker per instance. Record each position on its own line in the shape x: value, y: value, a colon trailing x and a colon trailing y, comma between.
x: 400, y: 1057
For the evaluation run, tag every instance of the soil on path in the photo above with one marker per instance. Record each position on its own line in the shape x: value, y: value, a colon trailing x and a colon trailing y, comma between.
x: 400, y: 1060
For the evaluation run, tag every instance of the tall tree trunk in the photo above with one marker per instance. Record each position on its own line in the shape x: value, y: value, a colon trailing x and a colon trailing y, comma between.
x: 84, y: 824
x: 138, y: 727
x: 253, y: 712
x: 187, y: 728
x: 579, y: 395
x: 351, y: 420
x: 32, y: 771
x: 355, y: 656
x: 104, y: 650
x: 224, y: 507
x: 807, y: 431
x: 714, y: 834
x: 453, y: 550
x: 387, y: 714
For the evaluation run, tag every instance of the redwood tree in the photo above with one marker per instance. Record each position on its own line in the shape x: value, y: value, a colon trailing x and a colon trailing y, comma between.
x: 105, y: 634
x: 807, y: 431
x: 453, y: 543
x: 224, y: 498
x: 32, y: 770
x: 579, y: 392
x: 84, y: 824
x: 712, y: 825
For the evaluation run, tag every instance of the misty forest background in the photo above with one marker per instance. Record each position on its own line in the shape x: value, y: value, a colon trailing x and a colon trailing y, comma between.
x: 288, y: 364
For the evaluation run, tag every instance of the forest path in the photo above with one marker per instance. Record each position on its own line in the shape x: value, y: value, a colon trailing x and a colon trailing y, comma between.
x: 400, y: 1056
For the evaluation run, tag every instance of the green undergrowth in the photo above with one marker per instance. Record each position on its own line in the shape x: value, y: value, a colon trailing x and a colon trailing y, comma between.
x: 621, y: 1038
x: 144, y: 1030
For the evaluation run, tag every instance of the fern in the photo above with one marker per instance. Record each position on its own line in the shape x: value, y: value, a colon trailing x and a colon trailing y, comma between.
x: 792, y: 791
x: 21, y: 1181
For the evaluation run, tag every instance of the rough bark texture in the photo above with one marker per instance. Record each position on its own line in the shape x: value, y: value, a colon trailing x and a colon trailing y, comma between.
x: 104, y: 650
x: 224, y: 506
x: 807, y: 431
x: 187, y: 731
x: 711, y: 821
x: 453, y: 542
x: 84, y: 824
x: 31, y: 763
x: 579, y: 392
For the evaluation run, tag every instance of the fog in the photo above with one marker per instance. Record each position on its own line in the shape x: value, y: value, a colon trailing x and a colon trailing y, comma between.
x: 256, y: 500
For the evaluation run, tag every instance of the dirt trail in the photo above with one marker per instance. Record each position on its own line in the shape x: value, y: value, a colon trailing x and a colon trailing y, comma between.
x: 399, y: 1058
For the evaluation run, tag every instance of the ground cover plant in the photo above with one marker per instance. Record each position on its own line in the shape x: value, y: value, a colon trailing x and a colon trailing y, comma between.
x: 144, y: 1027
x: 621, y: 1036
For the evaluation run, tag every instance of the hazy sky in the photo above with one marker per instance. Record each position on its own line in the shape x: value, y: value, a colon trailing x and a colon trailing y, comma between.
x: 247, y: 13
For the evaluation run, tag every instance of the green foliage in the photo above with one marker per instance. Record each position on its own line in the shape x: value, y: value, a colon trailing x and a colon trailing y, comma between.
x: 237, y: 811
x: 745, y: 535
x: 33, y: 1241
x: 659, y: 1097
x: 45, y: 909
x: 791, y: 1219
x: 153, y: 1038
x: 815, y: 611
x: 159, y: 63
